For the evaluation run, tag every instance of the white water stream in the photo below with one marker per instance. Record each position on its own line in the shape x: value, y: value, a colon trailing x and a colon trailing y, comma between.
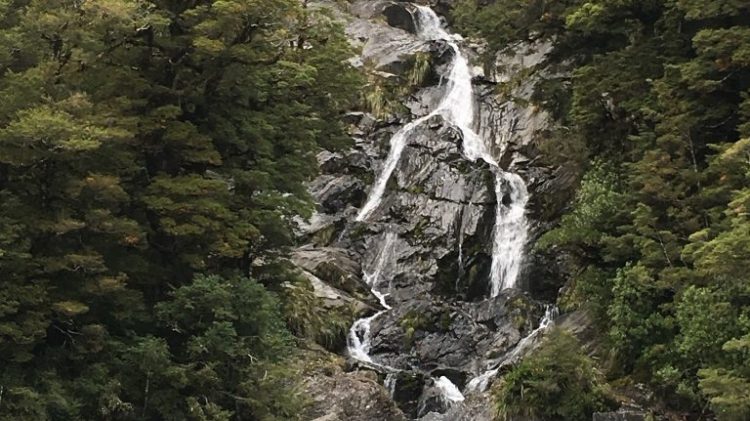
x: 448, y: 390
x: 510, y: 232
x: 358, y: 340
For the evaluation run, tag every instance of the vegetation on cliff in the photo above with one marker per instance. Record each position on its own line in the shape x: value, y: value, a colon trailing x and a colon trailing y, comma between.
x: 556, y: 382
x: 658, y: 95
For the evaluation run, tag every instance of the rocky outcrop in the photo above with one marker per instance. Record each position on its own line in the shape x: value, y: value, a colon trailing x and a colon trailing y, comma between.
x: 474, y: 408
x: 337, y: 269
x: 335, y: 395
x: 452, y: 339
x: 400, y: 15
x: 355, y: 396
x: 624, y: 414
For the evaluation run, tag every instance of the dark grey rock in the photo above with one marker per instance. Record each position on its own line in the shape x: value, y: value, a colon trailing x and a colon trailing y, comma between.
x: 407, y: 390
x: 400, y: 15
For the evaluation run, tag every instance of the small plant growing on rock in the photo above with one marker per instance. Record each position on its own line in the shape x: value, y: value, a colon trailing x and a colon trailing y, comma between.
x: 419, y: 71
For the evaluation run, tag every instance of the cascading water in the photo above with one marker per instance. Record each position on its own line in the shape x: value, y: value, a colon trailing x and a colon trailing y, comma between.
x: 398, y: 142
x: 448, y: 390
x: 358, y: 340
x: 510, y: 232
x: 457, y: 108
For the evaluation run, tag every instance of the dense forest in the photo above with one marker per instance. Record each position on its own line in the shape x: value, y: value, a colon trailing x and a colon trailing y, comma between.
x: 652, y: 100
x: 152, y: 160
x: 154, y: 156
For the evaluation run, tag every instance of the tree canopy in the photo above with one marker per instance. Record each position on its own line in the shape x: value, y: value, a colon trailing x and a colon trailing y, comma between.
x: 658, y: 95
x: 153, y: 156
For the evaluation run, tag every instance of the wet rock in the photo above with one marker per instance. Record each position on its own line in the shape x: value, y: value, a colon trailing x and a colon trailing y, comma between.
x: 453, y: 340
x: 407, y: 390
x: 400, y: 15
x: 353, y: 117
x: 456, y: 377
x: 432, y: 400
x: 331, y: 162
x: 335, y: 300
x: 544, y: 274
x: 475, y: 408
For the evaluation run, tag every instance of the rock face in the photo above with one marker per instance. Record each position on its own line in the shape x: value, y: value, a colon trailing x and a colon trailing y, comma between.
x: 428, y: 245
x: 400, y: 15
x: 452, y: 339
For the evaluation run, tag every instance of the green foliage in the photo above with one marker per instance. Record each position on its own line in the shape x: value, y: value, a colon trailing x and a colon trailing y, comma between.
x: 657, y: 238
x: 507, y: 20
x: 597, y: 208
x: 415, y: 321
x: 382, y: 94
x: 729, y: 389
x: 142, y: 144
x: 558, y: 381
x: 376, y: 101
x: 420, y: 69
x: 635, y: 325
x: 231, y: 333
x: 308, y: 318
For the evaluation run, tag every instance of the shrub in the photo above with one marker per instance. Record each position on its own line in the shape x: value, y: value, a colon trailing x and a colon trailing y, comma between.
x: 557, y: 382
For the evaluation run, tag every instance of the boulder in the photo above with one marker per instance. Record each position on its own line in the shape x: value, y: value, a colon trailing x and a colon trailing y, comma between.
x: 336, y: 300
x: 356, y: 396
x: 337, y: 269
x: 452, y: 340
x: 336, y: 193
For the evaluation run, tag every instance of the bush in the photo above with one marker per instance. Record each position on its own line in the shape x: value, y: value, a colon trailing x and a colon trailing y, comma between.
x: 557, y: 382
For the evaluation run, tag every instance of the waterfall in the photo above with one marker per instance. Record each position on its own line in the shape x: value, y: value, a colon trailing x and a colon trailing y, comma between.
x: 449, y: 394
x: 510, y: 231
x: 448, y: 391
x: 358, y: 340
x: 390, y: 384
x: 457, y: 108
x: 480, y: 383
